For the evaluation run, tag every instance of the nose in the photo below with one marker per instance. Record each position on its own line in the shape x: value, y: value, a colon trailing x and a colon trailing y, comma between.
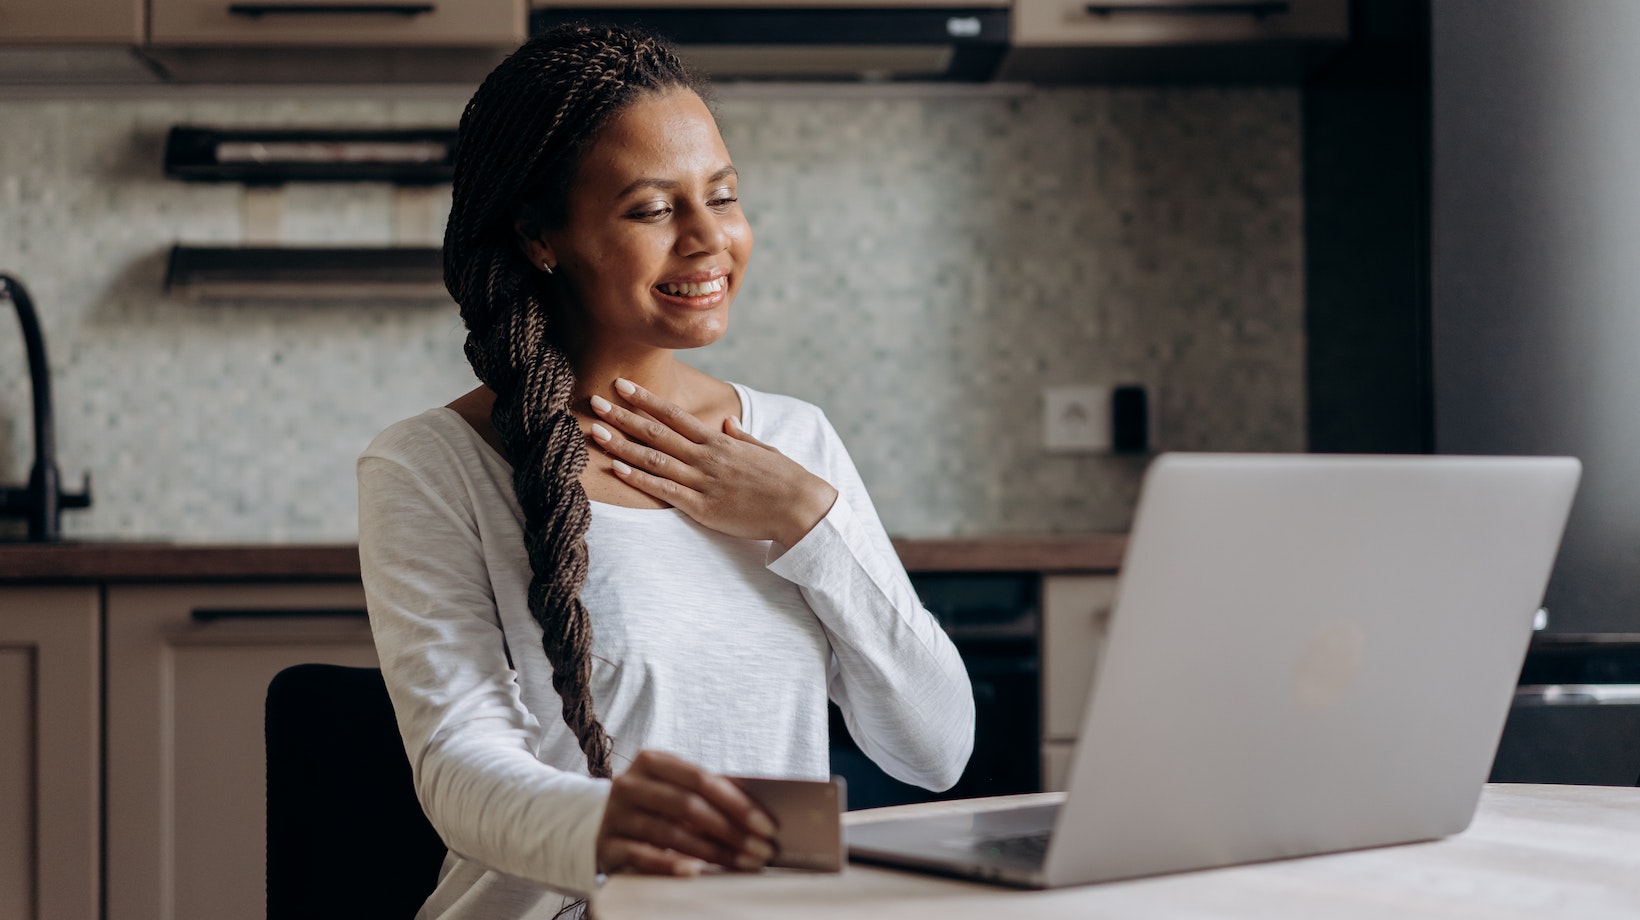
x: 703, y: 232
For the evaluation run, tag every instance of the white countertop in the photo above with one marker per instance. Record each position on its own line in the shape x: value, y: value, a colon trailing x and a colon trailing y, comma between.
x: 1532, y: 852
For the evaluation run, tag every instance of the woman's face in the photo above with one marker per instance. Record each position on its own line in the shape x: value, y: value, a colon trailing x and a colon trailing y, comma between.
x: 655, y: 243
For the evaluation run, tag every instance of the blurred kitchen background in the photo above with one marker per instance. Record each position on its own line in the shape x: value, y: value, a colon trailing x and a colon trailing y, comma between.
x: 930, y: 258
x: 1377, y: 226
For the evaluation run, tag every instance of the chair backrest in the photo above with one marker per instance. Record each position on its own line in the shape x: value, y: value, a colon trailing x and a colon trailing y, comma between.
x: 346, y: 836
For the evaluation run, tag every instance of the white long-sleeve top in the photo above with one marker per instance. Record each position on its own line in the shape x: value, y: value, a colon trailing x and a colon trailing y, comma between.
x: 720, y: 650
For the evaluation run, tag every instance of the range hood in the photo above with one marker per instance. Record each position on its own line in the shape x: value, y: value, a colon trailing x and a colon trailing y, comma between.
x: 893, y: 40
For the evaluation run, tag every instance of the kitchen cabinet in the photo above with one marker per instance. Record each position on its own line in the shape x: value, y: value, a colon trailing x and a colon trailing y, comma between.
x: 74, y: 22
x: 318, y: 23
x: 1090, y: 23
x: 1075, y: 618
x: 49, y: 752
x: 308, y: 41
x: 188, y: 671
x: 1144, y: 41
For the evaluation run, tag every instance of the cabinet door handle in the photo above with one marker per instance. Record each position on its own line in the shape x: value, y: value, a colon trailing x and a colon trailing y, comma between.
x: 228, y: 614
x: 1258, y: 9
x: 258, y: 10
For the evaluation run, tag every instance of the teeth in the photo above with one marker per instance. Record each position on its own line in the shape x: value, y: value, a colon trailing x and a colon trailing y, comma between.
x: 695, y: 290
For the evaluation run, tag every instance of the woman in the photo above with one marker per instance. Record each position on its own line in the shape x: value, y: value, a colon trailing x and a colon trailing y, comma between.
x: 603, y: 580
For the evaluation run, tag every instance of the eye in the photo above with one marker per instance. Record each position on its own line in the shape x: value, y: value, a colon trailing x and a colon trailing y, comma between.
x: 722, y: 198
x: 650, y: 214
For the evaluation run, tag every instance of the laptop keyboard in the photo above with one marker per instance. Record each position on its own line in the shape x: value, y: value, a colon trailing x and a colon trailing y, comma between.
x: 1024, y: 847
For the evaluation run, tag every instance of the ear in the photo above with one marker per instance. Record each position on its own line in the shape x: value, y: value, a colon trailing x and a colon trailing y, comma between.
x: 536, y: 251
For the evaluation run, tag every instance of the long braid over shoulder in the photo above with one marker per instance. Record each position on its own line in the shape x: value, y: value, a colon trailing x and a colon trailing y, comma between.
x: 520, y: 139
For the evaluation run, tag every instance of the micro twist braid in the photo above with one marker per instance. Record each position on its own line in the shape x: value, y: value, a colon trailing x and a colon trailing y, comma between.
x: 520, y: 138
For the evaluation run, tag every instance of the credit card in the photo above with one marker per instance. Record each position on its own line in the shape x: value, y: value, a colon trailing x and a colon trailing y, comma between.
x: 808, y: 817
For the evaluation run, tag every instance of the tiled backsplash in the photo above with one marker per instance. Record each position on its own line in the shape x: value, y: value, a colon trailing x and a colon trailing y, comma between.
x: 925, y: 265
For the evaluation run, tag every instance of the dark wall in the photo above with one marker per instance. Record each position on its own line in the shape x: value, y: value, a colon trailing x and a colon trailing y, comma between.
x: 1536, y: 283
x: 1366, y: 169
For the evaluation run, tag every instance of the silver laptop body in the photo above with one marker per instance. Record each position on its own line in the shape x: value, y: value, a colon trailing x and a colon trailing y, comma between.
x: 1308, y: 654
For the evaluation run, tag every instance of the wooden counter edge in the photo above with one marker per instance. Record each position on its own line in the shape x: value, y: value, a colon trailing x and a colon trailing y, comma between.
x: 23, y: 563
x: 161, y: 562
x: 1098, y: 552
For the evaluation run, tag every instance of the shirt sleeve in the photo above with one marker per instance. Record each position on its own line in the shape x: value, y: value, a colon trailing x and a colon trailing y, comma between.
x: 898, y: 680
x: 471, y: 741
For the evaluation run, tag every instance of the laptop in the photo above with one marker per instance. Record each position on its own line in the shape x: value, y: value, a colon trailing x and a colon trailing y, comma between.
x: 1308, y: 654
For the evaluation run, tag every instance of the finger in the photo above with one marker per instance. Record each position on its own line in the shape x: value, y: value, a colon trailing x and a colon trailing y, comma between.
x: 724, y: 795
x: 653, y: 461
x: 637, y: 856
x: 670, y: 491
x: 667, y: 833
x: 668, y: 413
x: 677, y: 805
x: 651, y: 431
x: 731, y: 427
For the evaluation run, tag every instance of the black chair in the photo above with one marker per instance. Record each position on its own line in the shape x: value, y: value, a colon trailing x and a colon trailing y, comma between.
x: 346, y: 836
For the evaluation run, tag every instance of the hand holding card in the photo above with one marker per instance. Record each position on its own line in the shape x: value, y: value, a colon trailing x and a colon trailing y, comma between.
x: 808, y: 815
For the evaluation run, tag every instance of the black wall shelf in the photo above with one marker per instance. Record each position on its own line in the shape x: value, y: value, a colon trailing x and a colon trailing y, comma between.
x: 307, y: 273
x: 402, y: 156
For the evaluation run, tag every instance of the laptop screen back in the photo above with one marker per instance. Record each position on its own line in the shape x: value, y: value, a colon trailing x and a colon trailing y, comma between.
x: 1308, y: 654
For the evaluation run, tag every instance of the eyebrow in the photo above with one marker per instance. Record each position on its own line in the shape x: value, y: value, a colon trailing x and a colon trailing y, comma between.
x: 669, y: 184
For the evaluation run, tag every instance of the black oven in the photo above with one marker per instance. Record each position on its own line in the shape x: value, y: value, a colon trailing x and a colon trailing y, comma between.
x: 1576, y: 713
x: 993, y: 621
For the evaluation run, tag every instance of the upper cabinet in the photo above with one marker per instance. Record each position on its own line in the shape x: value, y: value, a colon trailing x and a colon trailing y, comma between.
x: 1075, y: 41
x: 459, y: 41
x: 331, y: 41
x: 1095, y: 23
x: 321, y: 23
x: 77, y: 22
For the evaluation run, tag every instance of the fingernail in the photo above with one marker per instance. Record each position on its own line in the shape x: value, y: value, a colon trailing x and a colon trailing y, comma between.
x: 734, y: 423
x: 690, y: 867
x: 622, y: 468
x: 758, y: 849
x: 748, y: 863
x: 624, y: 386
x: 600, y: 432
x: 600, y: 404
x: 761, y: 824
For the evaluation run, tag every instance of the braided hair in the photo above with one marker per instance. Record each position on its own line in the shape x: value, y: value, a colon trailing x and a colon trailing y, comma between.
x: 518, y: 145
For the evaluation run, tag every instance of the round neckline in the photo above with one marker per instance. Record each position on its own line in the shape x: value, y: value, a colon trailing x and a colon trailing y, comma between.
x: 745, y: 412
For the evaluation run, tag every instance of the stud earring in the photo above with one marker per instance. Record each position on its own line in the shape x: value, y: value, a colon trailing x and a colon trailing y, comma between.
x: 546, y: 266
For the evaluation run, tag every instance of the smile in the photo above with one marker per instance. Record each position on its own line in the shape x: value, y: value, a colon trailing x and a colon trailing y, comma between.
x: 694, y: 290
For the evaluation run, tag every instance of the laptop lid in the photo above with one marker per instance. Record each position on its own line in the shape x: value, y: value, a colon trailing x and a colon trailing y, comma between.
x: 1308, y: 654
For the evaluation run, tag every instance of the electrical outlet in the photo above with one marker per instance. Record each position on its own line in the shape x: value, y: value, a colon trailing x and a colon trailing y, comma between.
x: 1076, y: 419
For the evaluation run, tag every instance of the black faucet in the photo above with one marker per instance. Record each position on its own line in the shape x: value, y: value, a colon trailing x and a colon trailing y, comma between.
x: 42, y: 500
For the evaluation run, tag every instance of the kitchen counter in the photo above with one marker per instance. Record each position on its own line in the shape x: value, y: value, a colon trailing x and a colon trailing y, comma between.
x: 138, y: 694
x: 1564, y: 851
x: 23, y: 563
